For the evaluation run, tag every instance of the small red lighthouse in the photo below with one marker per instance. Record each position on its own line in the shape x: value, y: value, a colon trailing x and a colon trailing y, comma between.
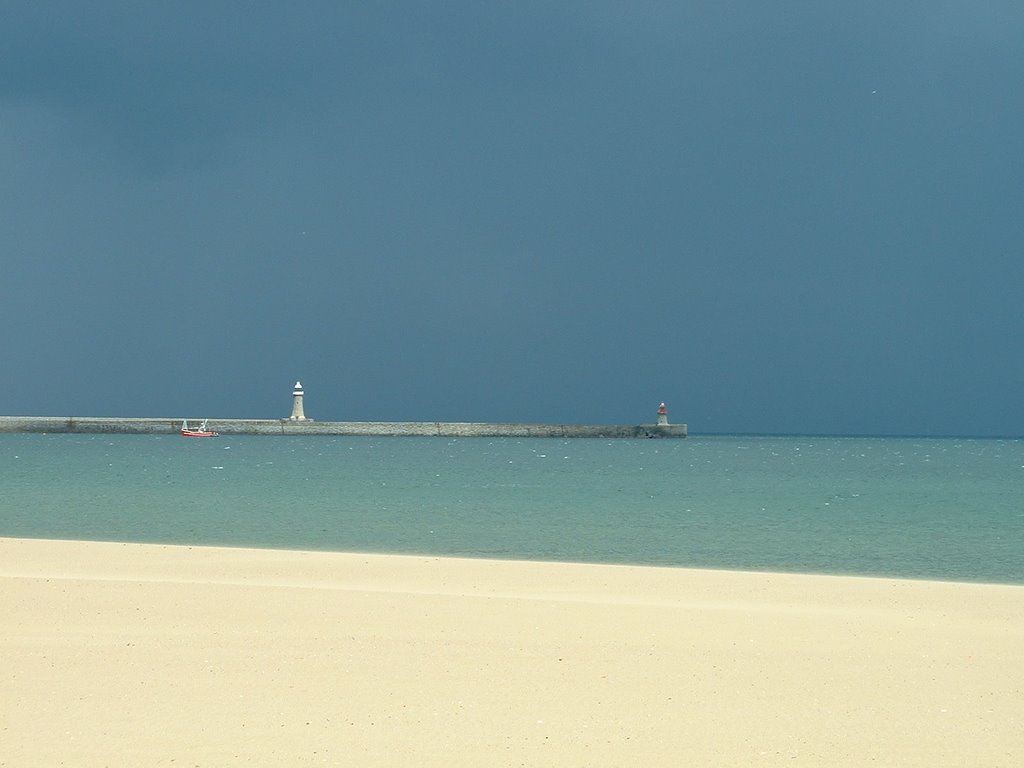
x: 662, y: 415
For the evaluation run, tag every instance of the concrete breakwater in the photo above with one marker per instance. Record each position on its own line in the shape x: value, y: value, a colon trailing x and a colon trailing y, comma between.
x: 168, y: 426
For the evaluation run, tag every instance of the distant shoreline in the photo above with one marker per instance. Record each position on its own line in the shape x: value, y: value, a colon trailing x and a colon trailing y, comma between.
x: 167, y: 426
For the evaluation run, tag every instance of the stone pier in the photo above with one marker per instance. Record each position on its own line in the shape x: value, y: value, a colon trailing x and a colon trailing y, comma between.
x: 289, y: 426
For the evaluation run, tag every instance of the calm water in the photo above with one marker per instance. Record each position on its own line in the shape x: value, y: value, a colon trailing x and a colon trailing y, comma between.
x: 932, y: 508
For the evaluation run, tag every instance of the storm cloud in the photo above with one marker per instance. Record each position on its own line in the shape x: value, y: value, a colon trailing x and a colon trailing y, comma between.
x: 775, y: 217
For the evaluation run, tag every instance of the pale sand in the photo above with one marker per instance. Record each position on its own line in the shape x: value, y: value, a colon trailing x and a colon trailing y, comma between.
x: 130, y: 655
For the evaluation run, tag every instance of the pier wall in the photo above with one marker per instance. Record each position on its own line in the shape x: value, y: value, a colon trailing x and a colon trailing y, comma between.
x: 161, y: 426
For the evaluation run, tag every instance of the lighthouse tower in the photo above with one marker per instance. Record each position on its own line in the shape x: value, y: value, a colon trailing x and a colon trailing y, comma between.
x: 297, y: 413
x: 662, y: 415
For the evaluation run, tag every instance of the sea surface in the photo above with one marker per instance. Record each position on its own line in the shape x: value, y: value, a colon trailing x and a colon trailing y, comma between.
x: 947, y: 509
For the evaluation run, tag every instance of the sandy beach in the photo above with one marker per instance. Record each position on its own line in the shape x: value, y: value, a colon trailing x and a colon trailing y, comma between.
x: 130, y: 655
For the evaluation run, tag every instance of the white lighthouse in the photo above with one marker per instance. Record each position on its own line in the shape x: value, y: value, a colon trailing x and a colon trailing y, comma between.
x: 297, y: 413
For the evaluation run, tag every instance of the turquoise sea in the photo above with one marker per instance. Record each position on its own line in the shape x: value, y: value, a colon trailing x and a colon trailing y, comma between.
x: 949, y: 509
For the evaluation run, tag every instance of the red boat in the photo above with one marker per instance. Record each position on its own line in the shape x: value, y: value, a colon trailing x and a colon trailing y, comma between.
x: 201, y: 432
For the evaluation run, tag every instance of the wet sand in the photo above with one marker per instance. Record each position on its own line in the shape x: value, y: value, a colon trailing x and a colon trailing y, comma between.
x: 129, y: 655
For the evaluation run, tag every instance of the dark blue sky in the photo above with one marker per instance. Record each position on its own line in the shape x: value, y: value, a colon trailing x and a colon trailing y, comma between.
x: 778, y: 217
